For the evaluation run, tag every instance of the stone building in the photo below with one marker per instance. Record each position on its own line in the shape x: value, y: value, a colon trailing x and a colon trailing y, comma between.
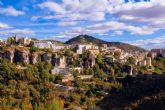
x: 158, y: 52
x: 24, y: 41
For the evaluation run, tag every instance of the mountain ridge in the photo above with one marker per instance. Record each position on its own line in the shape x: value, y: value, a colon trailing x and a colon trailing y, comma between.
x: 86, y: 39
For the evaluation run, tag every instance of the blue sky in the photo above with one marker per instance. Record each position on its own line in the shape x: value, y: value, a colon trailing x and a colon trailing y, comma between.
x: 137, y: 22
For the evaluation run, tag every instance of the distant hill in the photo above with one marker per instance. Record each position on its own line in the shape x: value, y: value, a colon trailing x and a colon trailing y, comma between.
x: 86, y: 39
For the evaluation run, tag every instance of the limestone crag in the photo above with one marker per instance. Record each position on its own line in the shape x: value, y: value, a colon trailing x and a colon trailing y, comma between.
x: 34, y: 58
x: 21, y: 56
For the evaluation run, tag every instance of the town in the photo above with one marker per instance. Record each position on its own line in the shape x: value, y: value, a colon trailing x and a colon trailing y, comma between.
x: 18, y: 50
x: 78, y: 61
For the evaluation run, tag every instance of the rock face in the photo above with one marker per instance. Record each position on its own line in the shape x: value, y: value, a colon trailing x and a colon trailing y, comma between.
x: 9, y: 54
x: 21, y: 56
x: 34, y: 58
x: 46, y: 57
x: 59, y: 61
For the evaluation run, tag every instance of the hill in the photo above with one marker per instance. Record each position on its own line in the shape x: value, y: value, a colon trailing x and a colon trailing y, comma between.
x: 85, y: 39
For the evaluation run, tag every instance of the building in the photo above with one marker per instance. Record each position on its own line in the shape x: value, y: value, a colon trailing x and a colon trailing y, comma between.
x: 42, y: 44
x: 2, y: 43
x: 12, y: 40
x: 57, y: 47
x: 63, y: 71
x: 24, y: 41
x: 48, y: 45
x: 104, y: 48
x: 158, y: 52
x: 16, y: 40
x: 81, y: 48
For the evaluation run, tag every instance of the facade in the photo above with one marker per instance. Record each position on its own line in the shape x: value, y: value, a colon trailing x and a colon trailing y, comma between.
x: 48, y: 45
x: 25, y: 41
x: 158, y: 52
x: 81, y: 48
x: 42, y: 44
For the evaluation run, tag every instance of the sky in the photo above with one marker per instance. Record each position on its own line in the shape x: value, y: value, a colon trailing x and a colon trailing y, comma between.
x: 137, y: 22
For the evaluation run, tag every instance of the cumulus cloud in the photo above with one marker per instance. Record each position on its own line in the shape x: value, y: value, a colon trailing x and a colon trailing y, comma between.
x: 105, y: 27
x: 8, y: 32
x: 77, y: 9
x: 117, y: 28
x: 11, y: 11
x: 66, y: 23
x: 4, y: 26
x: 142, y: 12
x: 71, y: 11
x: 158, y: 42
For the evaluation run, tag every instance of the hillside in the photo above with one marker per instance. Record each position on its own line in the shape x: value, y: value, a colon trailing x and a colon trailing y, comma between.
x: 144, y: 92
x: 85, y: 39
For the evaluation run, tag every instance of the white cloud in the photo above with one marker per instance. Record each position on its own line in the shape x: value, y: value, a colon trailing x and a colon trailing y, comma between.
x: 11, y: 11
x: 158, y: 42
x: 141, y: 12
x: 8, y: 32
x: 64, y: 23
x: 53, y: 7
x: 119, y: 26
x: 76, y: 9
x: 4, y: 26
x: 116, y: 33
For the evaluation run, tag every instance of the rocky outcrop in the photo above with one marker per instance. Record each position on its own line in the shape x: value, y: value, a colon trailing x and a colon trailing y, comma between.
x: 59, y: 61
x: 9, y: 54
x: 34, y: 57
x: 46, y: 57
x: 21, y: 56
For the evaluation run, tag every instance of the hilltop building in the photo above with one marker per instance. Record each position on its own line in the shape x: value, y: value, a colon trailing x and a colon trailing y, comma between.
x: 16, y: 40
x: 81, y: 48
x: 48, y: 45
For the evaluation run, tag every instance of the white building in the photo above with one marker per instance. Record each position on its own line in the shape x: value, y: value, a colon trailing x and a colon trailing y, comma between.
x: 81, y: 48
x: 48, y: 45
x: 42, y: 44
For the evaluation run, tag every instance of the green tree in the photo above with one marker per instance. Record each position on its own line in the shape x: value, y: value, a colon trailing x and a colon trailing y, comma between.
x: 55, y: 104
